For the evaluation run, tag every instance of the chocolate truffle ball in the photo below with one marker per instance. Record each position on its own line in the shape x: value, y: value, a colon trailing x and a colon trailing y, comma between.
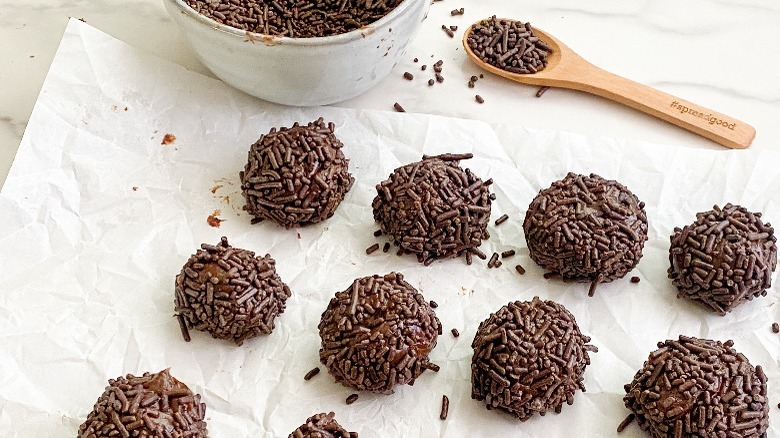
x: 296, y: 176
x: 229, y: 293
x: 586, y: 229
x: 434, y: 208
x: 529, y: 357
x: 723, y: 259
x: 322, y: 426
x: 152, y: 405
x: 697, y: 387
x: 377, y: 334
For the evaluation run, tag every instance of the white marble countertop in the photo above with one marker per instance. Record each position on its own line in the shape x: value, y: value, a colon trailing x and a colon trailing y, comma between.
x: 717, y: 53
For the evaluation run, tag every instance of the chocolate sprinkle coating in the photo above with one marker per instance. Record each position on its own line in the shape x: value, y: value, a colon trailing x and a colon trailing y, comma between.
x: 322, y: 426
x: 697, y: 387
x: 295, y: 18
x: 724, y: 258
x: 529, y: 357
x: 296, y: 176
x: 377, y: 334
x: 434, y: 208
x: 152, y: 405
x: 586, y: 229
x: 229, y: 292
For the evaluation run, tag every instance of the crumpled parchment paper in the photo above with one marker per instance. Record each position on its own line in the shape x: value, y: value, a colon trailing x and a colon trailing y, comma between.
x: 98, y: 217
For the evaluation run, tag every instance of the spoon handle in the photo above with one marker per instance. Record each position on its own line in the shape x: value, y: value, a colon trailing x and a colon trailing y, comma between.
x: 710, y: 124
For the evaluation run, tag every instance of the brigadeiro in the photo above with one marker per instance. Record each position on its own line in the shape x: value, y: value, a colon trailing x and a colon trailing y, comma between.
x: 529, y: 358
x: 296, y: 176
x: 434, y: 208
x: 378, y: 333
x: 724, y: 258
x: 152, y: 405
x: 322, y: 426
x: 229, y: 292
x: 694, y: 387
x: 586, y: 229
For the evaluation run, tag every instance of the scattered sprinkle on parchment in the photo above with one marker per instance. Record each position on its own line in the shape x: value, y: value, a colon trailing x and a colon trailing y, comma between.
x: 168, y: 139
x: 213, y: 220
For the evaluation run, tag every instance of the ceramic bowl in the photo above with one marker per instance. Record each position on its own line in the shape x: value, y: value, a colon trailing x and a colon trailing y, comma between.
x: 301, y: 71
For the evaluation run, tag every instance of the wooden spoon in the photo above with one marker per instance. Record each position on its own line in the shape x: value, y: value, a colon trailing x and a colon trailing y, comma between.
x: 567, y: 69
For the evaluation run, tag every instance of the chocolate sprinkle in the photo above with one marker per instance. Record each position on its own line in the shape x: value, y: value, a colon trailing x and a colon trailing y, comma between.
x: 445, y: 407
x: 229, y: 293
x: 623, y: 424
x: 635, y: 279
x: 775, y: 327
x: 493, y: 259
x: 397, y: 106
x: 373, y: 248
x: 296, y: 176
x: 352, y: 398
x: 529, y: 357
x: 520, y: 270
x: 586, y: 229
x: 152, y: 405
x: 314, y: 371
x: 724, y: 258
x: 502, y: 219
x: 185, y: 333
x: 455, y: 333
x: 377, y: 334
x: 434, y: 208
x: 509, y: 45
x: 322, y: 426
x: 294, y: 18
x: 698, y: 387
x: 541, y: 91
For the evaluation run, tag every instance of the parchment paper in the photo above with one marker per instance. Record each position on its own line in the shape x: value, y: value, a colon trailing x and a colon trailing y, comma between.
x: 98, y: 217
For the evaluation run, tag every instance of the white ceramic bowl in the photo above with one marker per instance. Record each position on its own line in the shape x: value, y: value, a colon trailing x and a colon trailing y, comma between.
x: 301, y: 71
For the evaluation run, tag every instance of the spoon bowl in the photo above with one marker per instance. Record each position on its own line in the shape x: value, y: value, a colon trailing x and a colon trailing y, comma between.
x: 566, y: 69
x: 545, y: 77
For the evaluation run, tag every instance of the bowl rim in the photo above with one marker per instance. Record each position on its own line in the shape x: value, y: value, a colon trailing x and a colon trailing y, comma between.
x: 352, y: 35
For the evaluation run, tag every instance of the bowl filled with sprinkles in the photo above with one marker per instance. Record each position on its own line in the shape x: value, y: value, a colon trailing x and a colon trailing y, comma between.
x: 299, y: 52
